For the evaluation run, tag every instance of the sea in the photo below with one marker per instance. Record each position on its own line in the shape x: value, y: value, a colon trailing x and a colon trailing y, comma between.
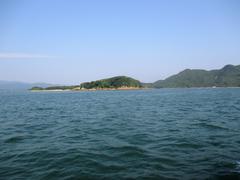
x: 191, y: 133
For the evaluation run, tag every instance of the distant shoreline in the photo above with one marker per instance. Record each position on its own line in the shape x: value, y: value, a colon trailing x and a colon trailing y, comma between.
x: 100, y: 89
x: 227, y: 77
x: 127, y: 89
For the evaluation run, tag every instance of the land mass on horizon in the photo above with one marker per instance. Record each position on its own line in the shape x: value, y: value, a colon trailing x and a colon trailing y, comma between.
x: 114, y: 83
x: 228, y: 76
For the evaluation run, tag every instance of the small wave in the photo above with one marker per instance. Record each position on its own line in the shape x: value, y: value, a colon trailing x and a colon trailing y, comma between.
x: 128, y: 148
x: 129, y: 151
x: 188, y: 145
x: 44, y: 109
x: 211, y: 126
x: 237, y: 166
x: 14, y: 139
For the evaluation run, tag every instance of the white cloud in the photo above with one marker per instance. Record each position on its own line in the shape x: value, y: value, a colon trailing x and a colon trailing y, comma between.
x: 23, y: 56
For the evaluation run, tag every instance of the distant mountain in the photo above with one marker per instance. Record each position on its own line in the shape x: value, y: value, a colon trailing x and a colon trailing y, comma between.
x: 228, y: 76
x: 20, y: 85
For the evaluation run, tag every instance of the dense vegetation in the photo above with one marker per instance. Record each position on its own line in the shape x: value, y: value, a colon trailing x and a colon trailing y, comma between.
x: 114, y: 82
x: 228, y: 76
x: 60, y: 87
x: 36, y: 88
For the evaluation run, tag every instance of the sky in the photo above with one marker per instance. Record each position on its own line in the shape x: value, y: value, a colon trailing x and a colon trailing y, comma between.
x: 73, y: 41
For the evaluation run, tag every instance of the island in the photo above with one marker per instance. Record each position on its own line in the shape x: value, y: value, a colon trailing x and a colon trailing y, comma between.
x: 114, y: 83
x: 228, y: 76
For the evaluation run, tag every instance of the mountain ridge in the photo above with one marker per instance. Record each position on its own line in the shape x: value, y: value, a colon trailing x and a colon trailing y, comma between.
x: 228, y: 76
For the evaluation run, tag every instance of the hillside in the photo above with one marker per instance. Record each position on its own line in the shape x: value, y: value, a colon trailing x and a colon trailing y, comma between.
x: 228, y: 76
x: 118, y: 82
x: 114, y: 82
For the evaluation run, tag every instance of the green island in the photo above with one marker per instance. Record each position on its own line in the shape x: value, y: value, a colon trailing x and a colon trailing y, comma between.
x: 114, y: 83
x: 228, y: 76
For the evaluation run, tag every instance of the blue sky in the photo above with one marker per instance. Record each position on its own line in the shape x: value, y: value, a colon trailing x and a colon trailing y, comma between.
x: 69, y: 42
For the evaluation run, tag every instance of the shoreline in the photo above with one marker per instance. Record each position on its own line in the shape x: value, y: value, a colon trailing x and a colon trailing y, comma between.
x: 125, y: 89
x: 78, y: 90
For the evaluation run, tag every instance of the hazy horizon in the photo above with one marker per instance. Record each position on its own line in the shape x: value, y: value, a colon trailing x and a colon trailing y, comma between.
x: 52, y: 83
x: 69, y: 42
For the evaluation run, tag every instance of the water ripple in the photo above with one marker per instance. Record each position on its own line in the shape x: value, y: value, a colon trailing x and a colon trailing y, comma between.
x: 152, y: 134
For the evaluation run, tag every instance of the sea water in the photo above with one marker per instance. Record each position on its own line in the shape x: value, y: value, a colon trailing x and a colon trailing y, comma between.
x: 135, y: 134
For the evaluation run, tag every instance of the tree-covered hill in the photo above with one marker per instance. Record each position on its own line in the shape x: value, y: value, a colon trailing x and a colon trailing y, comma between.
x: 228, y: 76
x: 118, y: 82
x: 114, y: 82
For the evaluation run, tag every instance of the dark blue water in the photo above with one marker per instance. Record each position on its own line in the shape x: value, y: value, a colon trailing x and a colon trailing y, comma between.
x: 143, y: 134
